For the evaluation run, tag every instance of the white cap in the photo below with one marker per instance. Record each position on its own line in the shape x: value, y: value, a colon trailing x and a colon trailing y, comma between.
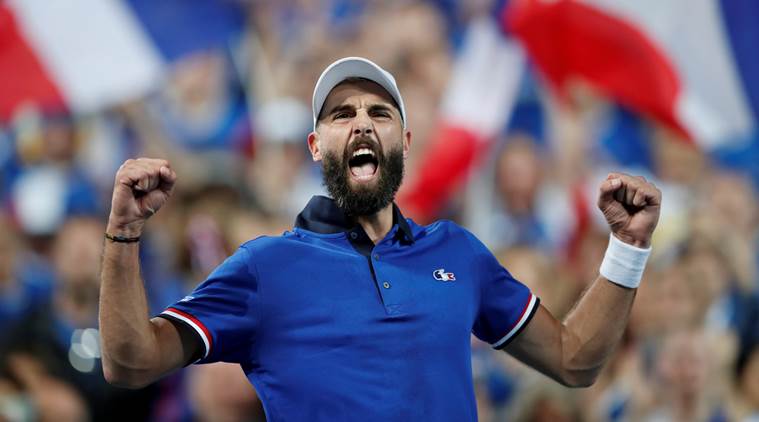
x: 354, y: 67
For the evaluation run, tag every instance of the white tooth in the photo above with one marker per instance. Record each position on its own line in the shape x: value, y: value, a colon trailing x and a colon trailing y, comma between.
x: 363, y: 151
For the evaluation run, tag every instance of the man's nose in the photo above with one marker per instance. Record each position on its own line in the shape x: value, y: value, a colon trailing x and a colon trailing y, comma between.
x: 362, y: 130
x: 363, y: 126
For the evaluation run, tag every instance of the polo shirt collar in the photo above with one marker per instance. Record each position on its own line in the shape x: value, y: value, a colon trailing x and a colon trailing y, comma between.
x: 322, y: 215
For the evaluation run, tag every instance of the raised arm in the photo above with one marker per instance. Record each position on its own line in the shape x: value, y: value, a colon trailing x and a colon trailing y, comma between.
x: 574, y: 351
x: 136, y: 349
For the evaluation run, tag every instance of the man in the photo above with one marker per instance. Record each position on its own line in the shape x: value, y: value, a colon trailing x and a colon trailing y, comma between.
x: 358, y: 312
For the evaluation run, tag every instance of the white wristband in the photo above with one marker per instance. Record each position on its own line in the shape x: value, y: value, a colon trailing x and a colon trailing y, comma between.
x: 623, y: 264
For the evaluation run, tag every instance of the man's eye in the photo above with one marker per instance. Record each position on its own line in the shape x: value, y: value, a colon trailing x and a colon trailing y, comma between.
x: 342, y: 115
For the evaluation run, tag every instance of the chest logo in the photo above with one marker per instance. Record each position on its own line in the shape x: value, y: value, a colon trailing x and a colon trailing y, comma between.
x: 441, y: 275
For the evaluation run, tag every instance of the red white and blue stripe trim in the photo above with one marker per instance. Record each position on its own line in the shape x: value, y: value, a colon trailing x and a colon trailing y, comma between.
x: 527, y: 313
x: 195, y: 324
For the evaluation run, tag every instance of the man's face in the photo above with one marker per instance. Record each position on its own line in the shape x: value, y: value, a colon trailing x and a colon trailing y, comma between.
x: 361, y: 140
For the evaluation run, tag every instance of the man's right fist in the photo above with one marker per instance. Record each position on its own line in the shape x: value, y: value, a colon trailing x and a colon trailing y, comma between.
x: 141, y: 188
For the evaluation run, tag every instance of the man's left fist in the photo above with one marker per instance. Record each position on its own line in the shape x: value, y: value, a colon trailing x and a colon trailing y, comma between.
x: 631, y: 206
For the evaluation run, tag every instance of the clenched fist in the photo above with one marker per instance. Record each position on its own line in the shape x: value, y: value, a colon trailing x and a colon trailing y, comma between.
x: 141, y: 188
x: 631, y: 206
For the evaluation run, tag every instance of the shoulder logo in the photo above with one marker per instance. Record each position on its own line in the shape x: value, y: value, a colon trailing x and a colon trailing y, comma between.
x: 187, y: 298
x: 441, y: 275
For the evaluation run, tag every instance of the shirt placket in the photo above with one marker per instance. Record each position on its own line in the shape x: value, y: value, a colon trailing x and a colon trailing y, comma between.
x: 389, y: 294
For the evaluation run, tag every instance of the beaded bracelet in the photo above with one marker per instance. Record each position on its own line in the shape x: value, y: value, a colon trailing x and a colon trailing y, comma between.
x: 122, y: 239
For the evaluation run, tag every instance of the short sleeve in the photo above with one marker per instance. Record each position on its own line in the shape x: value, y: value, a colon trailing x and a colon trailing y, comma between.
x: 223, y: 311
x: 506, y: 305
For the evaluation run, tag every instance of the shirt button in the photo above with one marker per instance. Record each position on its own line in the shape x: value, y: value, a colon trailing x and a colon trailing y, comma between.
x: 386, y: 285
x: 376, y: 257
x: 354, y: 235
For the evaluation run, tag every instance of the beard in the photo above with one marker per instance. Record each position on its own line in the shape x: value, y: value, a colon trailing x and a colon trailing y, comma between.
x: 363, y: 200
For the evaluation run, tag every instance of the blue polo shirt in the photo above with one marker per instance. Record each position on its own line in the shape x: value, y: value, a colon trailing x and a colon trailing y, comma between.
x: 330, y: 327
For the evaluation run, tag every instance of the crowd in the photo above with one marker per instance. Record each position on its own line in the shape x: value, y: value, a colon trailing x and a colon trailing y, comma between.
x: 233, y: 124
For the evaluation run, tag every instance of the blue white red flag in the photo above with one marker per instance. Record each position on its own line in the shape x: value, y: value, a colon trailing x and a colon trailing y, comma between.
x: 82, y: 55
x: 476, y: 106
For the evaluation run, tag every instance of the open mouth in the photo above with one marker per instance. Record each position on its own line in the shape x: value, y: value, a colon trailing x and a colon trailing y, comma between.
x: 363, y: 164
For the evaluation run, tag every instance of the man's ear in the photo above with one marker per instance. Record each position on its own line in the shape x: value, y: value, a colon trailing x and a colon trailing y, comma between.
x: 406, y: 143
x: 314, y: 145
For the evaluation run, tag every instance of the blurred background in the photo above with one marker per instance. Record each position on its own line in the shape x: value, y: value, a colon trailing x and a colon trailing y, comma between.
x: 518, y: 110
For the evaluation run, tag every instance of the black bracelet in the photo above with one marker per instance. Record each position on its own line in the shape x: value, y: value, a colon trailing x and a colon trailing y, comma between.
x: 122, y: 239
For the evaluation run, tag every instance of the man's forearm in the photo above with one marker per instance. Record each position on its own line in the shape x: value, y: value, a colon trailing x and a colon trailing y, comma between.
x: 128, y: 337
x: 592, y: 330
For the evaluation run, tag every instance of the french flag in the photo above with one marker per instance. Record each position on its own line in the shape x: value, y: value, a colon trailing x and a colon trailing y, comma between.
x: 476, y: 106
x: 83, y: 55
x: 690, y: 64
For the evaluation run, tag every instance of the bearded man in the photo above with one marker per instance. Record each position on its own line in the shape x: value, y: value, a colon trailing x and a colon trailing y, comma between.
x: 358, y: 312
